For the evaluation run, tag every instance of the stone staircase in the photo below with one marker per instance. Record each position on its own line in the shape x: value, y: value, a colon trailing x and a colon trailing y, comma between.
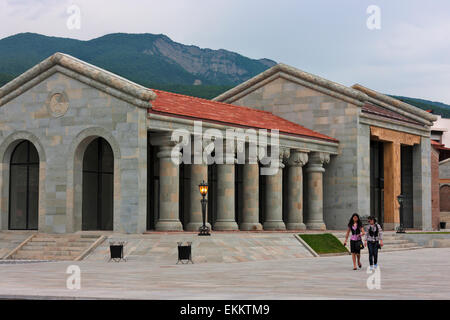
x: 10, y: 240
x: 55, y: 247
x: 391, y: 240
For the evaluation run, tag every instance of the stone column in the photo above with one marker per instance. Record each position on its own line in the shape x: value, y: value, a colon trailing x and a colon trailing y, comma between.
x: 274, y: 198
x: 422, y: 185
x: 295, y: 190
x: 315, y: 172
x: 225, y: 194
x: 250, y: 216
x: 199, y: 173
x: 169, y: 181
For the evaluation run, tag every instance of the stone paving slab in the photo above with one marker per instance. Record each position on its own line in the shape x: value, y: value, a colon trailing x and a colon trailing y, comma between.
x: 415, y: 274
x: 219, y: 247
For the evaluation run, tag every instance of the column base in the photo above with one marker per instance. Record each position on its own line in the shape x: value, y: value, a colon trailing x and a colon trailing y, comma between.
x: 225, y: 225
x: 295, y: 226
x: 274, y: 225
x: 316, y: 226
x: 169, y: 225
x: 194, y: 226
x: 250, y: 226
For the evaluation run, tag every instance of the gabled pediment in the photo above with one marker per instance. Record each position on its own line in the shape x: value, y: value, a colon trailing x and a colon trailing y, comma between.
x: 295, y: 75
x: 357, y: 94
x: 72, y: 67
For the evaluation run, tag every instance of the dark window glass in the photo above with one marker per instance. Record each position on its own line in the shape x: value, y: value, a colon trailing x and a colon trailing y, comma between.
x: 98, y: 183
x: 33, y: 196
x: 20, y: 154
x: 108, y: 159
x: 90, y: 160
x: 107, y: 201
x: 90, y: 197
x: 24, y: 187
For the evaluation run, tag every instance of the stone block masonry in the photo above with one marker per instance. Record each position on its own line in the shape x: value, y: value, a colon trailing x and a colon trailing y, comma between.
x: 85, y: 113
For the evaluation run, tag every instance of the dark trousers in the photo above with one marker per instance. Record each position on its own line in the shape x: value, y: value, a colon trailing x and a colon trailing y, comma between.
x: 373, y: 252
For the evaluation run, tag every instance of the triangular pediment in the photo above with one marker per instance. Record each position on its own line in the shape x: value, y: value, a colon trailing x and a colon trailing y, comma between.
x: 357, y: 94
x: 294, y: 75
x: 72, y: 67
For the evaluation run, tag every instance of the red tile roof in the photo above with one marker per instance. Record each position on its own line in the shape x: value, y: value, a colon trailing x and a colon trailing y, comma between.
x: 213, y: 111
x: 438, y: 145
x: 383, y: 112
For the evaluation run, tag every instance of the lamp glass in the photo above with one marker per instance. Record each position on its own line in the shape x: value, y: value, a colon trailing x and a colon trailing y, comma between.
x: 203, y: 187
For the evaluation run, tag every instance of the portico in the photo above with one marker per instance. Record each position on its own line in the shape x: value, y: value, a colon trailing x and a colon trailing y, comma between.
x: 258, y: 201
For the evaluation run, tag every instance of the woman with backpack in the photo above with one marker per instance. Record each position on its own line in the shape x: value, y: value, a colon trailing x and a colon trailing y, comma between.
x: 356, y: 228
x: 374, y: 241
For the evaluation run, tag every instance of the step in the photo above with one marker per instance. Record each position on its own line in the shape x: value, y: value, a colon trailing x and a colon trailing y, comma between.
x: 55, y: 244
x: 67, y: 238
x: 44, y: 256
x: 48, y: 258
x: 51, y: 249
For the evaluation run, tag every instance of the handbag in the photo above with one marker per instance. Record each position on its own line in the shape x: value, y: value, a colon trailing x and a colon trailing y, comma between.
x: 360, y: 244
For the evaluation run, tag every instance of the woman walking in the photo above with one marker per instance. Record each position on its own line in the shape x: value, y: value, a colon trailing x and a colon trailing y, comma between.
x: 356, y: 228
x: 374, y: 241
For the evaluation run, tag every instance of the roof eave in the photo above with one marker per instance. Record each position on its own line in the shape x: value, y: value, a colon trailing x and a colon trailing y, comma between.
x: 396, y: 103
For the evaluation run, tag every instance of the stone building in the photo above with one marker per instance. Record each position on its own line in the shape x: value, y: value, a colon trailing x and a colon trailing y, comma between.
x: 84, y: 149
x: 384, y: 144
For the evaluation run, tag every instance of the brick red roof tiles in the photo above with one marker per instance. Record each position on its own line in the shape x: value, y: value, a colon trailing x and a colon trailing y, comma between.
x: 213, y: 111
x: 383, y: 112
x: 438, y: 145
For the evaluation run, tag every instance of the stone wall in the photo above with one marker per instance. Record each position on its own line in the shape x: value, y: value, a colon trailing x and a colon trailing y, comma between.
x: 444, y: 169
x: 435, y: 207
x: 444, y: 191
x: 61, y: 136
x: 347, y: 176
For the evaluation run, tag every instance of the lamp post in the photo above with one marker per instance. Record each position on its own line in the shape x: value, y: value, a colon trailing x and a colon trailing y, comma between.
x: 400, y: 228
x: 203, y: 187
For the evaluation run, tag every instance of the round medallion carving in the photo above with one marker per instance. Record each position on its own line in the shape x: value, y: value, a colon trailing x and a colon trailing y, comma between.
x: 57, y: 104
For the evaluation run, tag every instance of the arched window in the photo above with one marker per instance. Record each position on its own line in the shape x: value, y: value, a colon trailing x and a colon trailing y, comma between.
x: 98, y: 182
x: 24, y: 187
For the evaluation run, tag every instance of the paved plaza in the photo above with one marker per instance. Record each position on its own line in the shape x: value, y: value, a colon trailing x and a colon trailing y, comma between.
x: 411, y: 274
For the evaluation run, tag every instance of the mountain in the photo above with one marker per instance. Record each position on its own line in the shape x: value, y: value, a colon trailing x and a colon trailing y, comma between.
x: 149, y: 59
x: 152, y: 60
x: 436, y: 107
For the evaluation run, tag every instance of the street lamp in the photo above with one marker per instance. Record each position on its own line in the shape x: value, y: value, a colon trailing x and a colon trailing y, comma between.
x: 203, y: 187
x: 400, y: 228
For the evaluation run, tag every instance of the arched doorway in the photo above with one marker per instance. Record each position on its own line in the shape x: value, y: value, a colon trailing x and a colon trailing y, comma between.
x: 98, y: 182
x: 24, y: 187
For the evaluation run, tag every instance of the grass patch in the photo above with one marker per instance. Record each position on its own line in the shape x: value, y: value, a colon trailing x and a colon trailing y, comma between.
x: 429, y: 232
x: 324, y: 243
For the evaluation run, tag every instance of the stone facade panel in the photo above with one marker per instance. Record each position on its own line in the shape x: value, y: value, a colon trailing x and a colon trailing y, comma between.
x: 88, y: 108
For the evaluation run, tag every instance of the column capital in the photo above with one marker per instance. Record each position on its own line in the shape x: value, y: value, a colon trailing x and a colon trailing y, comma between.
x: 297, y: 158
x: 162, y: 139
x: 165, y: 146
x: 317, y: 160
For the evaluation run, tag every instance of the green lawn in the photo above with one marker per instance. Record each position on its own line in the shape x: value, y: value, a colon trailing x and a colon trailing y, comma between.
x: 324, y: 243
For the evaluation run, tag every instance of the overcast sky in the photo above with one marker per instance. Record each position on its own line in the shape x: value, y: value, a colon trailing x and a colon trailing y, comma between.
x: 409, y: 55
